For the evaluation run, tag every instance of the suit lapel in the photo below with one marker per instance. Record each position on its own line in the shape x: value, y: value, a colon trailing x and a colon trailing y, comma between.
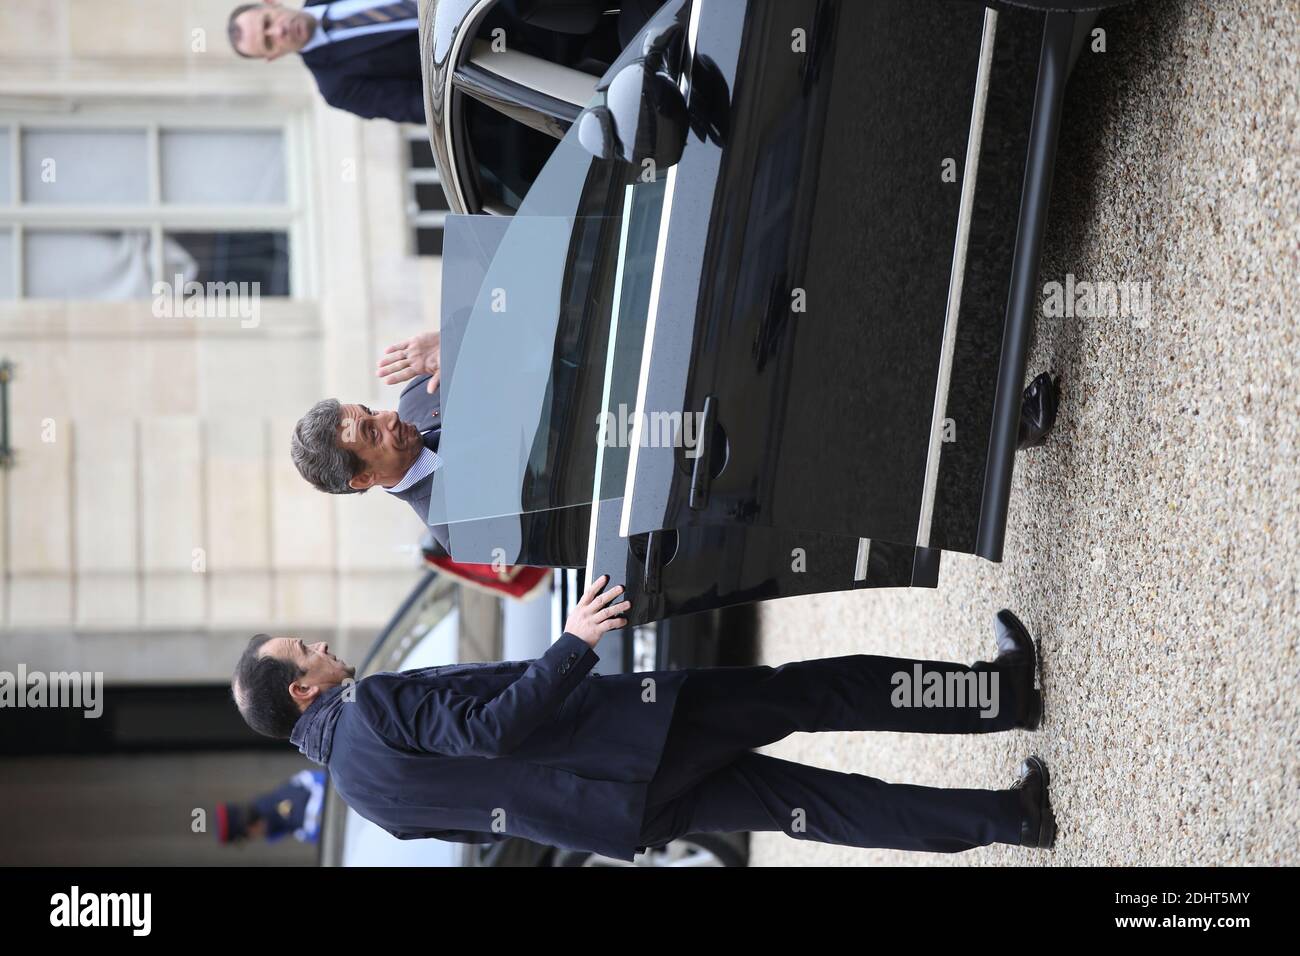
x: 417, y: 406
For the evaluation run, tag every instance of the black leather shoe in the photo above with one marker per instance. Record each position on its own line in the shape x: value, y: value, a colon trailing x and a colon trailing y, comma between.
x: 1017, y: 662
x: 1037, y: 821
x: 1038, y: 410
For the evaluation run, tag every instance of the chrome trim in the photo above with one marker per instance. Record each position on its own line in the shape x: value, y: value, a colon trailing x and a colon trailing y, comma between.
x: 656, y: 282
x: 452, y: 177
x: 647, y: 348
x: 864, y: 556
x: 956, y: 277
x: 628, y: 193
x: 535, y: 73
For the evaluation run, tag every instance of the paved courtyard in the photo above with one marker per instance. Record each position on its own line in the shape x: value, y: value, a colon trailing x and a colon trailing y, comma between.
x: 1154, y: 541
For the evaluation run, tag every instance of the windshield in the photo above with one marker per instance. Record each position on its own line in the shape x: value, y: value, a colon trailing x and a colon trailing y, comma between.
x: 543, y: 324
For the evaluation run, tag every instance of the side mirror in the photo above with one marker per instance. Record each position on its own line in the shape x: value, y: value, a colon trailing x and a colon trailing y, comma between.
x: 640, y: 112
x: 643, y: 116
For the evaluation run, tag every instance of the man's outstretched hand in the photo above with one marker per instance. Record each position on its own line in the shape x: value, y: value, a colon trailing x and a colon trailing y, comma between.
x: 419, y: 355
x: 594, y: 615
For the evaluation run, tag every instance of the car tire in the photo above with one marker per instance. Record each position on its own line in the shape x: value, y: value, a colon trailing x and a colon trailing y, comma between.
x: 690, y: 850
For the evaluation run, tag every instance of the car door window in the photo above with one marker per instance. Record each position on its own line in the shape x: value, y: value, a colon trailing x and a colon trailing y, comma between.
x: 520, y: 87
x: 508, y: 156
x: 583, y: 39
x: 531, y: 351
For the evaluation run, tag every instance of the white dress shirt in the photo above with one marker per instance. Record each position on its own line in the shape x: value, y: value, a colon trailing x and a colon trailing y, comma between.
x: 342, y: 9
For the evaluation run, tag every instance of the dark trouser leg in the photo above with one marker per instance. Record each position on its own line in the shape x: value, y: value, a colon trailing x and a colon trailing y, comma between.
x: 722, y: 712
x: 761, y: 793
x: 858, y: 692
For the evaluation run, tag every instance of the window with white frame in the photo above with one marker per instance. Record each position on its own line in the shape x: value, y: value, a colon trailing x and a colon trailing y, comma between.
x: 426, y: 203
x: 99, y: 210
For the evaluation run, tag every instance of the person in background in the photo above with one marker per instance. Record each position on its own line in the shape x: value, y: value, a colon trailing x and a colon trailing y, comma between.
x: 363, y: 54
x: 292, y: 808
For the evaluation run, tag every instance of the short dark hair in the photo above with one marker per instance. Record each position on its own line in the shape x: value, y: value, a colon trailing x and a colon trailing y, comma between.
x: 317, y: 454
x: 232, y: 27
x: 261, y: 690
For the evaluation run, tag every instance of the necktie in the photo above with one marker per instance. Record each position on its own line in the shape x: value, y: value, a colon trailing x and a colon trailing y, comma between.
x: 380, y: 13
x: 430, y: 441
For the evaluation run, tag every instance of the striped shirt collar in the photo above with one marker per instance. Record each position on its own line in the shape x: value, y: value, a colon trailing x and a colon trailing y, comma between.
x: 318, y: 37
x: 424, y: 466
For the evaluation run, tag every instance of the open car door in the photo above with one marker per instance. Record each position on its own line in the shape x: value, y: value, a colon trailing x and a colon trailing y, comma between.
x: 804, y: 351
x: 543, y: 330
x: 843, y: 289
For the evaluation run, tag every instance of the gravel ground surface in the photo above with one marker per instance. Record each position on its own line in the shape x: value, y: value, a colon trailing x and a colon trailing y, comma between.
x: 1152, y: 544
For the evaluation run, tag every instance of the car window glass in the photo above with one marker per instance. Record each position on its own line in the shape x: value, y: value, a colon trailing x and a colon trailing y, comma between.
x: 507, y: 155
x: 529, y: 344
x: 638, y: 244
x: 577, y: 35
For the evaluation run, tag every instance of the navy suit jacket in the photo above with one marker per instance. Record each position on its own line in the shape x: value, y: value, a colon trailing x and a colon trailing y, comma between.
x: 418, y: 407
x: 375, y: 76
x: 475, y: 753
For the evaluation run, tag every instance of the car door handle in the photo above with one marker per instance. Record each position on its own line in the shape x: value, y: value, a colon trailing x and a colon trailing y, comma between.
x: 651, y: 578
x: 705, y: 449
x: 652, y: 550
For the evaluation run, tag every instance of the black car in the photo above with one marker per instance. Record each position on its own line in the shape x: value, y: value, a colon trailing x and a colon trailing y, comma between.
x: 795, y: 244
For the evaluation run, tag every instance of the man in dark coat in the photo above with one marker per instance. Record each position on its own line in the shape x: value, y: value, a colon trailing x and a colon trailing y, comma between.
x: 612, y: 764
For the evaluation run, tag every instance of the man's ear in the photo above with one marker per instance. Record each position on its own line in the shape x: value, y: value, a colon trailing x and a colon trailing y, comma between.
x: 303, y: 694
x: 362, y: 481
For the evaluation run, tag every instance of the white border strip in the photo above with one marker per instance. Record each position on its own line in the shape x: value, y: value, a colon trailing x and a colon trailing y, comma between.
x: 628, y: 192
x: 656, y: 283
x: 957, y: 276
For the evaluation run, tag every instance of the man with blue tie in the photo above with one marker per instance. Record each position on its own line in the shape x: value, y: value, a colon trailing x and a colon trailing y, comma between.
x: 364, y: 54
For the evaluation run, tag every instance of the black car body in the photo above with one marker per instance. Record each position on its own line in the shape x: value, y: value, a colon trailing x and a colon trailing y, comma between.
x: 833, y: 279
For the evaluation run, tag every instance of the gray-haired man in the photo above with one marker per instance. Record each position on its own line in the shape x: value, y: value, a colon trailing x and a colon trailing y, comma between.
x: 346, y: 449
